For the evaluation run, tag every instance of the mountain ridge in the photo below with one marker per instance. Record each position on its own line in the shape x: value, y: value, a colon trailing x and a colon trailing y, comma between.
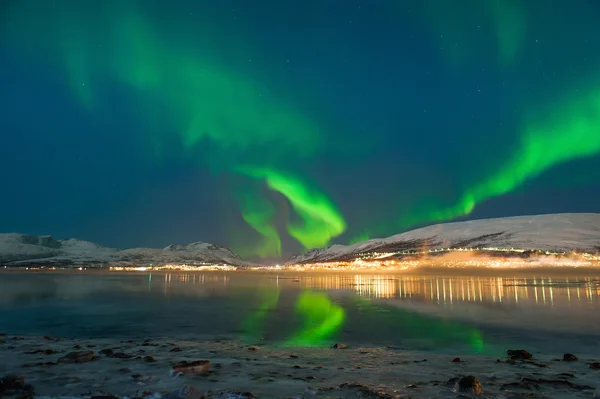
x: 18, y: 249
x: 563, y: 232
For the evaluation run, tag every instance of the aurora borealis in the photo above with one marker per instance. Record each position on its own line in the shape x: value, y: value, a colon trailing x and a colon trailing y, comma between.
x: 277, y: 127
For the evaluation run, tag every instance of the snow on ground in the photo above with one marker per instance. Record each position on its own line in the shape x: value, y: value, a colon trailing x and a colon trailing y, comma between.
x: 22, y: 249
x: 556, y: 232
x: 142, y: 368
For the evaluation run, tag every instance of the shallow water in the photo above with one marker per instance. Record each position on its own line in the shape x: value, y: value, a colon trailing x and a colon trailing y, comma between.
x: 443, y: 314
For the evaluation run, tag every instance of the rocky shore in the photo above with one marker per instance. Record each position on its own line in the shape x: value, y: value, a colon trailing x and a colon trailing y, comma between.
x: 51, y: 367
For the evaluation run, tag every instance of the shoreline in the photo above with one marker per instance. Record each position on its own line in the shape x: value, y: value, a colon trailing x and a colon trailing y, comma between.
x: 426, y: 271
x: 143, y: 368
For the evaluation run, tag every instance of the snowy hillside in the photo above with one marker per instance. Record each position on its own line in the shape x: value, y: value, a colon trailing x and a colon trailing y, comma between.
x: 556, y: 232
x: 27, y: 250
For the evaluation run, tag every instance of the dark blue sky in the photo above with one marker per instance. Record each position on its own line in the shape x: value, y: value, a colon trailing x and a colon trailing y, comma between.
x: 395, y: 112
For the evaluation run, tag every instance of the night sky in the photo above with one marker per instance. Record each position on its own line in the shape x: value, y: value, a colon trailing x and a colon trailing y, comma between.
x: 276, y: 126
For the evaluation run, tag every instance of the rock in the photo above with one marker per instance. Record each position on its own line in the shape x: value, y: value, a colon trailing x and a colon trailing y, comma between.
x: 176, y: 349
x: 41, y: 351
x: 14, y: 387
x: 535, y: 383
x: 149, y: 359
x: 106, y: 352
x: 293, y: 356
x: 340, y: 346
x: 121, y: 355
x: 233, y: 395
x: 11, y: 382
x: 519, y: 354
x: 595, y: 366
x: 364, y: 391
x: 195, y: 367
x: 77, y: 357
x: 451, y: 382
x: 566, y: 375
x: 39, y: 364
x: 469, y: 384
x: 456, y: 360
x: 254, y: 348
x: 186, y: 392
x: 568, y: 357
x: 144, y: 379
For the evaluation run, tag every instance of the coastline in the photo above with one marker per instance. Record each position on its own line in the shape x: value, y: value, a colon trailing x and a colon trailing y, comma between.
x: 142, y: 368
x: 428, y: 271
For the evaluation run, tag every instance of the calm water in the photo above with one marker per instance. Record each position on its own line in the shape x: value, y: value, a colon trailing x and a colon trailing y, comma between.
x: 452, y: 314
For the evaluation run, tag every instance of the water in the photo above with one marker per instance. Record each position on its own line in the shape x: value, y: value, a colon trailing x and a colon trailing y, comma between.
x: 445, y: 314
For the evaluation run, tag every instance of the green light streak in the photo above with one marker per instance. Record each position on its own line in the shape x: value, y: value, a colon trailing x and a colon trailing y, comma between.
x: 572, y: 131
x: 460, y: 31
x: 254, y: 323
x: 322, y: 319
x: 320, y: 219
x: 259, y: 214
x: 204, y: 98
x: 511, y: 26
x: 364, y: 236
x: 429, y: 330
x: 185, y: 89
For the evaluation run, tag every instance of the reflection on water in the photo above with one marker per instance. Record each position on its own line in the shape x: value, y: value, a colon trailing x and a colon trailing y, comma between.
x: 530, y: 303
x: 544, y: 291
x: 301, y: 309
x: 322, y: 319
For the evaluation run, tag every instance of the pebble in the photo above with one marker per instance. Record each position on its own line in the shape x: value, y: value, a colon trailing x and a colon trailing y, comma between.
x: 77, y: 357
x: 519, y: 354
x: 186, y: 392
x: 195, y: 367
x: 15, y: 386
x: 469, y: 384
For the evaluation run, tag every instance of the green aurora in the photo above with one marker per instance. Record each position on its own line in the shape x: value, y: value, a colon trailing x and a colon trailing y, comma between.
x: 203, y: 100
x: 570, y: 131
x: 209, y: 101
x: 504, y: 21
x: 321, y: 221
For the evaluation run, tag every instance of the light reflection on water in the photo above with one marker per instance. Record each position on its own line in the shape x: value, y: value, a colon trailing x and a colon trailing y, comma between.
x: 385, y: 308
x: 541, y: 291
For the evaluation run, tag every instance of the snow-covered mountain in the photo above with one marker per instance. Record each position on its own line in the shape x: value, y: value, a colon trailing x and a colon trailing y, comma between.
x: 556, y: 232
x: 27, y: 250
